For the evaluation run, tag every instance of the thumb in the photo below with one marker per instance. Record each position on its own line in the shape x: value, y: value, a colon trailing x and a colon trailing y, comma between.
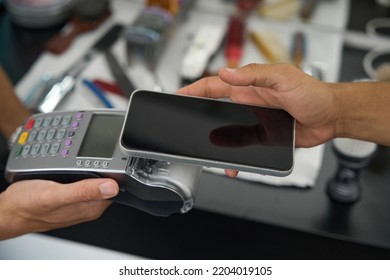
x: 88, y: 190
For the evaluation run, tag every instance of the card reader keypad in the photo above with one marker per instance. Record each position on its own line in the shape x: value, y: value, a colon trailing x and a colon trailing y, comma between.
x: 48, y: 135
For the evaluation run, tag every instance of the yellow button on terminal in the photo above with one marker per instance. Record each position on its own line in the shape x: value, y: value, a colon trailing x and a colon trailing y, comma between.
x: 23, y: 138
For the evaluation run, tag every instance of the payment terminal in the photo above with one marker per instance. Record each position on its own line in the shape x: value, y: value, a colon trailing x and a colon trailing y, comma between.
x: 74, y: 145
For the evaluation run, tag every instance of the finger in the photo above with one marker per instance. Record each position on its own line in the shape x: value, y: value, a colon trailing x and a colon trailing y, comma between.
x: 258, y: 75
x: 231, y: 173
x: 212, y: 87
x: 82, y: 191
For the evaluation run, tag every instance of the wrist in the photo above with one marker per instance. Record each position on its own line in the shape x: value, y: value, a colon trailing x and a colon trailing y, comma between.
x: 345, y: 107
x: 10, y: 224
x: 4, y: 226
x: 363, y: 112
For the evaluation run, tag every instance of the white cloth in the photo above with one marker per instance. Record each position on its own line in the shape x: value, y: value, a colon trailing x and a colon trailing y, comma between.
x: 306, y: 168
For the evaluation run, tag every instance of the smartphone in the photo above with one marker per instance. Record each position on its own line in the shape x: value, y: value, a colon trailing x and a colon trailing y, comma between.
x: 209, y: 132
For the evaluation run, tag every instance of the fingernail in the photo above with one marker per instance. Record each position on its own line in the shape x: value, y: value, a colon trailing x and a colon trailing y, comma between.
x: 108, y: 189
x: 231, y: 70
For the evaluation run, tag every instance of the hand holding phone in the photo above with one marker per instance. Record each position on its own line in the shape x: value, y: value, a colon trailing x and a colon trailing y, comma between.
x: 209, y: 132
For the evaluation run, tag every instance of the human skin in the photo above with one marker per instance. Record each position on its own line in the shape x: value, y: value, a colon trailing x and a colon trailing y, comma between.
x: 39, y: 205
x: 322, y: 110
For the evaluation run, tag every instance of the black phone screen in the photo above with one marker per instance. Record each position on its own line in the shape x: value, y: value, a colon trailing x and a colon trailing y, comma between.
x: 209, y: 129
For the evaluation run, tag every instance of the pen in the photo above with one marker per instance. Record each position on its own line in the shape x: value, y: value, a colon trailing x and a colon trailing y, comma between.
x: 108, y: 87
x: 269, y: 46
x: 98, y: 92
x: 298, y: 49
x: 235, y: 41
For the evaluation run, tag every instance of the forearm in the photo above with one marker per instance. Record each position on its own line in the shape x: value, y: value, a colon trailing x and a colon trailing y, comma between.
x: 12, y: 111
x: 363, y: 111
x: 7, y: 224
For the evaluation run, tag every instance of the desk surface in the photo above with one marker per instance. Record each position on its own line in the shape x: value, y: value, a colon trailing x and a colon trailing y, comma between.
x: 288, y: 224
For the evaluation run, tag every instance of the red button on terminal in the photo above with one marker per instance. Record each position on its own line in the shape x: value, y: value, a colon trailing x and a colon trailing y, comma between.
x: 29, y: 124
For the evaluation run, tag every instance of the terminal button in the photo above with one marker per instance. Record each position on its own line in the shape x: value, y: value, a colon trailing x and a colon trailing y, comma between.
x: 71, y: 134
x: 79, y: 115
x: 57, y: 120
x: 18, y: 151
x: 32, y: 136
x: 45, y: 149
x: 64, y: 152
x: 54, y: 148
x: 68, y: 143
x: 35, y: 149
x: 38, y: 122
x: 75, y: 125
x: 47, y: 122
x: 66, y: 120
x: 41, y: 135
x: 29, y: 124
x: 61, y: 133
x: 50, y: 134
x: 26, y: 149
x: 23, y: 138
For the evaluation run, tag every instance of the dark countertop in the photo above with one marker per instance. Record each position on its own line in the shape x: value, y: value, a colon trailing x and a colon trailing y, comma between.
x: 295, y: 224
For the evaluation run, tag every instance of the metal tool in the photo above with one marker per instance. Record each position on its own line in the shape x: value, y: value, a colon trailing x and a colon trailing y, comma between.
x: 123, y: 81
x: 48, y: 95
